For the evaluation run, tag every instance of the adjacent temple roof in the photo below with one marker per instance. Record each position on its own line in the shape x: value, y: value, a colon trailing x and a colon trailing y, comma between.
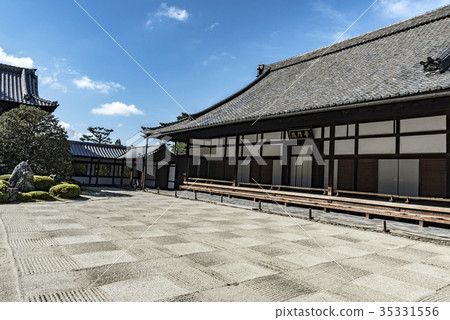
x: 139, y: 151
x: 20, y: 86
x: 96, y: 150
x: 404, y: 59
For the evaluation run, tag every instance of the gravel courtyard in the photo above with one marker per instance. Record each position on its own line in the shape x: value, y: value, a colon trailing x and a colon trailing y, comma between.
x: 98, y: 249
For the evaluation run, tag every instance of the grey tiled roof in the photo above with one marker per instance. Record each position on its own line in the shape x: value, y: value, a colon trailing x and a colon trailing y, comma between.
x: 139, y: 151
x: 20, y: 85
x: 378, y: 65
x: 96, y: 150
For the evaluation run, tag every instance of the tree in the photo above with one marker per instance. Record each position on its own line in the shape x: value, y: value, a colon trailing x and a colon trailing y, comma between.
x: 118, y: 142
x: 34, y: 135
x: 98, y: 134
x: 183, y: 116
x: 179, y: 147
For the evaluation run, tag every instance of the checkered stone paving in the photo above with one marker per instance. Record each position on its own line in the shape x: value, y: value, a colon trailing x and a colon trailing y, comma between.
x: 113, y: 248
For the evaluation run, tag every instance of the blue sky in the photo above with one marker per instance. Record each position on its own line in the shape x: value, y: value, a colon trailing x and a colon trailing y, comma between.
x: 200, y: 51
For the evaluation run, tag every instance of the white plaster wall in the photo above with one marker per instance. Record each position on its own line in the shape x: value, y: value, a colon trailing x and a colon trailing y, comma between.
x: 435, y: 143
x: 380, y: 127
x: 423, y: 124
x: 376, y: 146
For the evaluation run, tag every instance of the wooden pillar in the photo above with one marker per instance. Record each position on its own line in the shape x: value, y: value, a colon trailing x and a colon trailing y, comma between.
x: 286, y: 178
x: 448, y: 158
x: 224, y: 159
x: 144, y: 165
x: 331, y: 162
x: 261, y: 151
x: 188, y: 154
x: 131, y: 172
x: 114, y: 171
x: 90, y: 171
x: 355, y: 161
x: 122, y: 169
x: 97, y: 170
x: 236, y: 157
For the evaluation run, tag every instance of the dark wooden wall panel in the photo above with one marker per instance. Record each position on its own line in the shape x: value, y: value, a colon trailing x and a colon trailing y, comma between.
x: 367, y: 180
x: 266, y: 172
x: 345, y: 174
x: 317, y: 175
x: 216, y: 170
x: 433, y: 178
x: 229, y: 171
x: 254, y: 171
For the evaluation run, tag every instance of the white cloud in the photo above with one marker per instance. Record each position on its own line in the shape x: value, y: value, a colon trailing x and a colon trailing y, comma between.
x: 340, y: 36
x: 57, y: 75
x: 101, y: 86
x: 15, y: 61
x: 120, y: 125
x: 213, y: 26
x: 223, y: 55
x: 117, y: 108
x: 172, y: 12
x: 403, y: 9
x: 70, y: 130
x: 327, y: 11
x: 53, y: 82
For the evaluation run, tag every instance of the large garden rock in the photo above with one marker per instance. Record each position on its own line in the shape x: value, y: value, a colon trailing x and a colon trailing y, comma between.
x: 13, y: 193
x: 22, y: 178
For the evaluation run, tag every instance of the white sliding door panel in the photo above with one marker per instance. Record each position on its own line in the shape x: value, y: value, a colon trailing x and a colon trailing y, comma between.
x: 276, y: 172
x: 387, y: 176
x: 408, y: 177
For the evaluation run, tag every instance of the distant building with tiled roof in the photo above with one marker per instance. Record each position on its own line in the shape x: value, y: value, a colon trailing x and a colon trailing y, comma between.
x: 96, y: 150
x: 113, y: 165
x: 20, y: 86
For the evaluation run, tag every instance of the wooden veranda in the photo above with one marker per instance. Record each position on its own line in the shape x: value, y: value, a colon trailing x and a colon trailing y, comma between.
x: 423, y: 210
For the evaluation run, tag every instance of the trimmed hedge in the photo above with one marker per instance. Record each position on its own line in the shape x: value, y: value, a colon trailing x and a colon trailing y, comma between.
x: 65, y: 191
x: 4, y: 177
x: 40, y: 195
x: 3, y: 197
x: 71, y: 181
x: 3, y: 194
x: 24, y: 197
x: 43, y: 183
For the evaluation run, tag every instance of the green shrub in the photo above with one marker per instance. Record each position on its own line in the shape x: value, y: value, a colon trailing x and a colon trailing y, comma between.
x: 43, y: 183
x: 4, y: 177
x: 41, y: 195
x: 24, y: 197
x: 65, y: 191
x: 71, y: 181
x: 3, y: 197
x: 3, y: 194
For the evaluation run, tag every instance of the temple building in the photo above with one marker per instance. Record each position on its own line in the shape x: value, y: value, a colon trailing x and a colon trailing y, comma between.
x: 20, y: 86
x: 97, y: 164
x: 377, y: 108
